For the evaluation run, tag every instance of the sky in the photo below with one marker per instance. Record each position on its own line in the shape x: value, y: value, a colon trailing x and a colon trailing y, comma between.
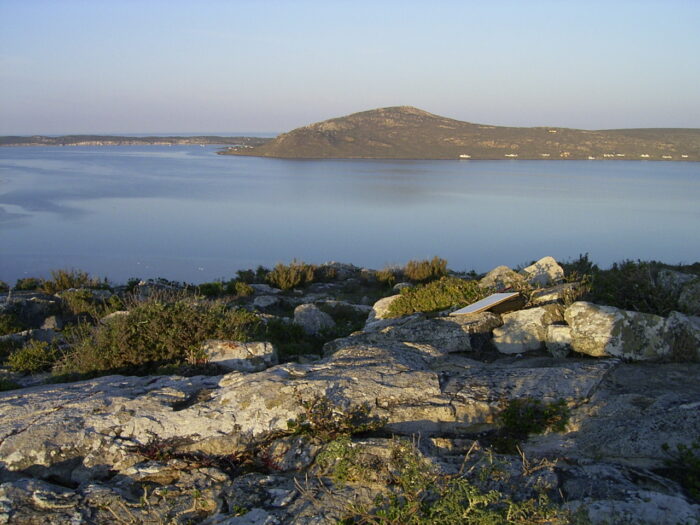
x: 171, y: 66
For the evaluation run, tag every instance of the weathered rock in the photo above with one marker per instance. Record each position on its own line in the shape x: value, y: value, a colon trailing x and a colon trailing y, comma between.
x: 558, y: 340
x: 47, y: 336
x: 689, y: 298
x: 683, y: 334
x: 311, y: 319
x: 32, y: 308
x: 544, y: 272
x: 674, y: 281
x: 560, y: 293
x: 114, y: 315
x: 240, y: 356
x: 400, y: 286
x: 607, y: 331
x: 380, y: 309
x: 341, y: 271
x: 265, y: 289
x: 343, y: 308
x: 53, y: 322
x: 501, y: 278
x: 462, y: 333
x: 525, y: 330
x: 265, y: 301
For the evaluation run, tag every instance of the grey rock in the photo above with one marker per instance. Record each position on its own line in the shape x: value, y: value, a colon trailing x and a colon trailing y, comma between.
x: 380, y: 309
x: 525, y: 330
x: 683, y: 334
x: 689, y: 298
x: 544, y: 272
x: 114, y: 315
x: 607, y: 331
x: 311, y: 319
x: 558, y: 340
x: 674, y: 281
x: 241, y: 356
x: 265, y: 289
x: 501, y: 278
x: 265, y: 301
x: 561, y: 293
x: 400, y: 286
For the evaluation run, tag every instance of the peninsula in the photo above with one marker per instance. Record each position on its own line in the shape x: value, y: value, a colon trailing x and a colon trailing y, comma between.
x: 405, y: 132
x: 116, y: 140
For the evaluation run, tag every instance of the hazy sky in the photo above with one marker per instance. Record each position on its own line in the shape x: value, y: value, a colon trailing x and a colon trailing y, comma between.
x: 100, y: 66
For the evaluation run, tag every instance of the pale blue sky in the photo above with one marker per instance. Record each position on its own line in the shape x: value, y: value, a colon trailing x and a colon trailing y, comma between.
x: 144, y: 66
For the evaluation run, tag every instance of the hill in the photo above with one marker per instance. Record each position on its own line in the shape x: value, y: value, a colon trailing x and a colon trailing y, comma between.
x: 404, y: 132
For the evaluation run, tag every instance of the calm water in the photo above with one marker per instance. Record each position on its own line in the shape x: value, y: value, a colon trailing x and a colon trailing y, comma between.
x: 185, y: 213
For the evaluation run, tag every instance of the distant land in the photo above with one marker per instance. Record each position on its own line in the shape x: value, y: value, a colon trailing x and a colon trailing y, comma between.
x: 405, y: 132
x: 112, y: 140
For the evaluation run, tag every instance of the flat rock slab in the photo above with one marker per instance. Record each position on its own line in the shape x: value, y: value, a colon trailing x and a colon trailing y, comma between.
x: 487, y: 303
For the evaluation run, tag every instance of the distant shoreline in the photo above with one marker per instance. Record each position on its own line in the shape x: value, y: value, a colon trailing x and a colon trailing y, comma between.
x: 112, y: 140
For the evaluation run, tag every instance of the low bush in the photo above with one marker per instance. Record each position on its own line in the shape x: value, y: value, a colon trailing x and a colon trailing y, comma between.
x: 435, y: 296
x: 389, y: 275
x: 252, y: 276
x: 522, y: 417
x: 35, y: 356
x: 239, y: 288
x: 296, y: 273
x: 67, y: 279
x: 7, y: 384
x: 427, y: 270
x: 83, y: 302
x: 9, y: 324
x: 323, y: 421
x: 152, y: 334
x: 213, y: 289
x: 4, y: 287
x: 28, y: 284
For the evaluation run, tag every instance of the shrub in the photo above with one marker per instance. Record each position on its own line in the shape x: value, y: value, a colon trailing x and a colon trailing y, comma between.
x: 437, y: 295
x: 35, y: 356
x: 154, y: 333
x: 82, y: 301
x: 323, y: 421
x: 213, y: 289
x: 9, y: 324
x: 525, y: 416
x: 4, y: 287
x: 389, y: 275
x: 632, y: 286
x: 28, y: 284
x: 66, y: 279
x: 6, y: 384
x: 422, y: 271
x: 253, y: 276
x: 286, y: 277
x: 239, y: 288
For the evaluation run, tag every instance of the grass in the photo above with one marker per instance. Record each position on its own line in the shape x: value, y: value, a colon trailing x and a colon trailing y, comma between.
x: 10, y: 324
x: 438, y: 295
x: 426, y: 270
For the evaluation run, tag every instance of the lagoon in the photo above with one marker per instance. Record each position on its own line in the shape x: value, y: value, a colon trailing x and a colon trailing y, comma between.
x: 188, y: 214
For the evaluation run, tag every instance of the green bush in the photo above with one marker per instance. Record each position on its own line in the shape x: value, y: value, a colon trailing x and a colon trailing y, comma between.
x: 152, y: 334
x: 35, y: 356
x: 632, y: 285
x: 389, y: 275
x: 253, y: 276
x: 9, y: 324
x: 28, y: 284
x: 213, y: 289
x: 66, y: 279
x: 435, y: 296
x: 83, y: 302
x: 6, y: 384
x: 4, y: 287
x: 423, y: 271
x: 239, y: 288
x: 296, y: 273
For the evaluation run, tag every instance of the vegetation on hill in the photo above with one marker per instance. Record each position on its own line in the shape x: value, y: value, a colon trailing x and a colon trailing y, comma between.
x: 408, y: 133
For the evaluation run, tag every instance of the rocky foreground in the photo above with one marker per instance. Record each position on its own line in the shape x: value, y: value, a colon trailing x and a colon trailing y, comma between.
x: 406, y: 399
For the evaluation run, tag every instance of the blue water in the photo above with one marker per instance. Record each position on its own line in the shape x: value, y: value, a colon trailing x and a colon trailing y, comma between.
x: 185, y: 213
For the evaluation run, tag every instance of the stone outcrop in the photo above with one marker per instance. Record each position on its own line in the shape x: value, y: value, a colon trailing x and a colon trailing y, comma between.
x: 380, y: 309
x: 544, y: 272
x: 240, y: 356
x: 501, y: 278
x: 312, y: 319
x: 526, y: 330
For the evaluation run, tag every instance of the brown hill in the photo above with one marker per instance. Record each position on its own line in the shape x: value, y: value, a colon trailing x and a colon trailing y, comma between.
x: 405, y: 132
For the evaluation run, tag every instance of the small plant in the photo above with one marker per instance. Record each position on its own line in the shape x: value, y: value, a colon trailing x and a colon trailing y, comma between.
x: 684, y: 466
x: 66, y: 279
x: 427, y: 270
x: 153, y: 334
x: 253, y: 276
x: 389, y: 275
x: 522, y: 417
x: 296, y: 273
x: 323, y: 421
x: 4, y: 287
x: 339, y: 458
x: 28, y: 284
x: 6, y: 384
x: 35, y: 356
x: 239, y: 288
x: 437, y: 295
x: 213, y: 289
x: 9, y: 324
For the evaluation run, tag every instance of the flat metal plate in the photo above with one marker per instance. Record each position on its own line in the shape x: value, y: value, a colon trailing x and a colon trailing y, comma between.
x: 486, y: 303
